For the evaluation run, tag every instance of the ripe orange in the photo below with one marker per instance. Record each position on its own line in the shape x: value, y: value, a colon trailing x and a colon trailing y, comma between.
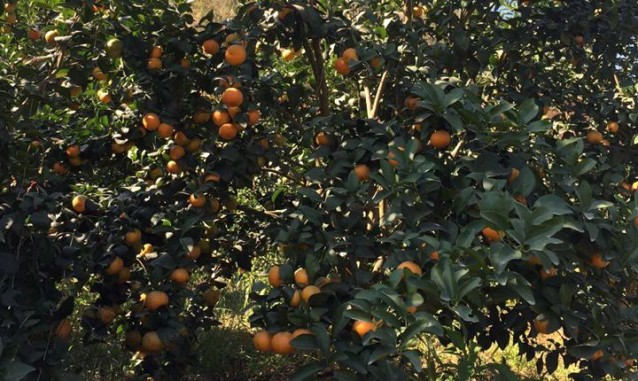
x: 440, y: 139
x: 233, y: 111
x: 106, y: 314
x: 197, y: 200
x: 350, y: 54
x: 34, y: 34
x: 165, y: 130
x: 79, y: 203
x: 362, y: 172
x: 301, y: 331
x: 211, y: 296
x: 99, y: 75
x: 50, y: 36
x: 228, y: 131
x: 152, y: 343
x: 132, y: 237
x: 376, y: 62
x: 180, y: 276
x: 597, y: 355
x: 301, y: 277
x: 181, y: 139
x: 612, y: 127
x: 594, y: 137
x: 521, y: 199
x: 233, y: 37
x: 177, y: 152
x: 210, y: 47
x: 146, y: 249
x: 341, y: 66
x: 75, y: 161
x: 212, y: 177
x: 281, y: 343
x: 253, y: 117
x: 362, y: 327
x: 417, y: 12
x: 605, y: 143
x: 541, y: 325
x: 411, y: 102
x: 232, y: 97
x: 220, y: 117
x: 201, y: 116
x: 194, y: 253
x: 63, y: 329
x: 156, y: 52
x: 194, y: 145
x: 10, y: 7
x: 73, y: 150
x: 323, y: 139
x: 155, y: 300
x: 154, y: 64
x: 410, y: 309
x: 151, y: 121
x: 60, y: 169
x: 514, y: 173
x: 309, y: 291
x: 273, y: 277
x: 75, y: 90
x: 288, y: 54
x: 295, y: 300
x: 235, y: 55
x: 173, y: 168
x: 579, y: 40
x: 492, y: 235
x: 115, y: 266
x: 215, y: 205
x: 412, y: 266
x: 391, y: 159
x: 283, y: 13
x: 104, y: 96
x: 155, y: 173
x: 598, y: 261
x: 124, y: 275
x: 262, y: 341
x: 434, y: 255
x: 185, y: 63
x: 548, y: 273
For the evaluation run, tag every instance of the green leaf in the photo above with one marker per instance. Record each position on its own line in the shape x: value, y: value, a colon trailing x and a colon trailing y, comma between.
x: 414, y: 357
x: 524, y: 183
x: 528, y: 111
x: 425, y: 323
x: 501, y: 255
x: 16, y: 371
x: 521, y: 286
x: 379, y: 353
x: 441, y: 274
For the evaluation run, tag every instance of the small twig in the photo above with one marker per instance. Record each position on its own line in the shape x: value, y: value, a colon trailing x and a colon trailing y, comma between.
x: 366, y: 90
x: 456, y: 149
x: 377, y: 97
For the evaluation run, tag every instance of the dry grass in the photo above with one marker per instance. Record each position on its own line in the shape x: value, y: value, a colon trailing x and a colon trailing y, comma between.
x: 222, y: 9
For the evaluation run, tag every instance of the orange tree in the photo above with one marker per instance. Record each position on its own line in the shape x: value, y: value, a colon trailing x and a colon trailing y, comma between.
x: 129, y: 132
x: 429, y: 171
x: 466, y: 171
